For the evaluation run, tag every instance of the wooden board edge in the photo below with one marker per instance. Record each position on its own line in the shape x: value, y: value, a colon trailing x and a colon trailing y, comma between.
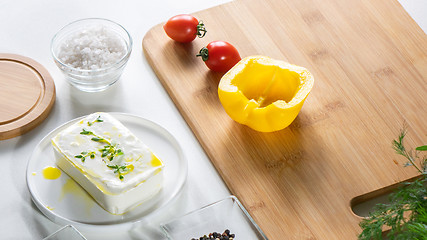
x: 45, y: 104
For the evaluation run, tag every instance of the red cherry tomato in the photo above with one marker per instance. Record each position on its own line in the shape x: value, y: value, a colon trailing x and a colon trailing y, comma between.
x: 184, y: 28
x: 219, y: 56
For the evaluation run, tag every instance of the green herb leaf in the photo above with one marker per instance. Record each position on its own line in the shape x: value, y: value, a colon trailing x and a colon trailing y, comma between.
x: 98, y: 119
x: 421, y: 148
x: 82, y: 156
x: 111, y: 151
x: 119, y: 169
x: 86, y: 132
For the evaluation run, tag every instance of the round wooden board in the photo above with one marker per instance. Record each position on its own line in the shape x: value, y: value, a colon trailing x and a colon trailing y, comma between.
x: 27, y: 94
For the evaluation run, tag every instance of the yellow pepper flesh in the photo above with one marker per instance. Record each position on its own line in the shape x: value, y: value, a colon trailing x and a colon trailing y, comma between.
x: 263, y: 93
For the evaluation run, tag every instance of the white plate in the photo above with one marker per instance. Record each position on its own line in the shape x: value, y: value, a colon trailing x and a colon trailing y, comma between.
x: 64, y: 202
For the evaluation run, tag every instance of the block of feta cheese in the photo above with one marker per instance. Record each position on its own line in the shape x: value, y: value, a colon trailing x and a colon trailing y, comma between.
x: 115, y: 167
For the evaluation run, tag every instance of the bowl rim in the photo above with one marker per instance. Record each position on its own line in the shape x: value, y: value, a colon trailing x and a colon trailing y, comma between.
x: 117, y: 64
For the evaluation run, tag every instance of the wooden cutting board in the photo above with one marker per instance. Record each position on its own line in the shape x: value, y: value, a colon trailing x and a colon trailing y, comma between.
x: 27, y: 94
x: 369, y: 60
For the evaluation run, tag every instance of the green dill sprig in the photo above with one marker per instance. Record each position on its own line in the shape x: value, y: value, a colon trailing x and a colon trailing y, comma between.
x: 399, y: 147
x: 119, y: 169
x: 406, y: 213
x: 83, y: 155
x: 98, y: 119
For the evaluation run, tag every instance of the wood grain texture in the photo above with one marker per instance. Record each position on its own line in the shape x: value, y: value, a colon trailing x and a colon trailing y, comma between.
x: 369, y: 60
x: 27, y: 94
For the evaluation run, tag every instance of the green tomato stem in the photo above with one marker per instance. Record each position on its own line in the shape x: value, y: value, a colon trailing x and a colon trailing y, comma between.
x: 204, y: 53
x: 201, y: 30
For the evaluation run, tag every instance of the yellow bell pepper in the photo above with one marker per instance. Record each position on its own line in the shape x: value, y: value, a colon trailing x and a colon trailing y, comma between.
x: 263, y: 93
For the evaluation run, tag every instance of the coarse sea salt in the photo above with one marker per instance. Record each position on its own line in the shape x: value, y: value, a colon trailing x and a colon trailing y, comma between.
x: 92, y: 48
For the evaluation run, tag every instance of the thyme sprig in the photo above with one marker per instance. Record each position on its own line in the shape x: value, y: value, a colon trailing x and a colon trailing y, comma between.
x: 119, y: 169
x: 95, y: 138
x: 83, y: 155
x: 110, y: 151
x: 406, y: 214
x: 98, y: 119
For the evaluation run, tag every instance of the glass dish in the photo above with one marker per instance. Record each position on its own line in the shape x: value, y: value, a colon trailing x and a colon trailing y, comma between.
x: 67, y: 232
x: 64, y: 202
x: 97, y: 79
x: 227, y: 213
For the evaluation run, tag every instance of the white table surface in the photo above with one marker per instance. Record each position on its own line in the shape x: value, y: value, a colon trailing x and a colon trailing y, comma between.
x: 26, y: 28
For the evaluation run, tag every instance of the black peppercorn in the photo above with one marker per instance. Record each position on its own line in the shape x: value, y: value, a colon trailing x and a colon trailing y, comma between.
x: 217, y: 236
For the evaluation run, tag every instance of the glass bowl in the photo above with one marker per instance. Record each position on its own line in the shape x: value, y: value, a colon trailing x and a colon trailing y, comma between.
x: 92, y: 53
x: 225, y: 214
x: 67, y: 232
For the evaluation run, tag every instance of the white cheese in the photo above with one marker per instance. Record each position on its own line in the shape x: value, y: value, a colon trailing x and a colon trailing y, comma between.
x: 116, y: 168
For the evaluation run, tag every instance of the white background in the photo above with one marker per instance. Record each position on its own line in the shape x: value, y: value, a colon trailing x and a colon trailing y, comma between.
x: 26, y: 28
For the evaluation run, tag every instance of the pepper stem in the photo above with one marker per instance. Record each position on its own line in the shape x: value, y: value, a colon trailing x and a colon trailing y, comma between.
x: 204, y: 53
x: 201, y: 30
